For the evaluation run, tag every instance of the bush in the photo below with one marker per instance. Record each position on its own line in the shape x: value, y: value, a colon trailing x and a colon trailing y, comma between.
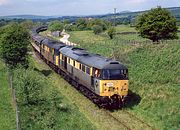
x: 111, y: 32
x: 97, y: 29
x: 29, y: 85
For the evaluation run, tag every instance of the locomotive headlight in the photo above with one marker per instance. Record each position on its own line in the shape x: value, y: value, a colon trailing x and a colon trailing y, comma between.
x: 110, y: 84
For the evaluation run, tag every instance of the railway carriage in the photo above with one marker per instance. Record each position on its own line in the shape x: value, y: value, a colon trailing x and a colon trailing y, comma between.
x: 50, y: 51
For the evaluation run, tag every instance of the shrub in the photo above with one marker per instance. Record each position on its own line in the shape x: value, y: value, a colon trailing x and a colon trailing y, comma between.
x: 97, y: 29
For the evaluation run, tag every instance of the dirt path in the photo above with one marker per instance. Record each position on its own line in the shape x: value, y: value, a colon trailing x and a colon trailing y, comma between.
x: 65, y: 38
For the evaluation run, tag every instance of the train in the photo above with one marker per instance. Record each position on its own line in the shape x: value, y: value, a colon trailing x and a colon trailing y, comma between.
x: 103, y: 80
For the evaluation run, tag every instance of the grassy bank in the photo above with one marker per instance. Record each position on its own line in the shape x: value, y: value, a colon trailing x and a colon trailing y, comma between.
x: 7, y: 112
x: 45, y: 107
x: 153, y: 72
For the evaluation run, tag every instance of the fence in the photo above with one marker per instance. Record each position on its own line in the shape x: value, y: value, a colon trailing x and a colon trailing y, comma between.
x: 14, y: 100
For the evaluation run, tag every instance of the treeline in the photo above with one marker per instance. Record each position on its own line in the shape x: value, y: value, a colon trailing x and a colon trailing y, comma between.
x: 96, y: 25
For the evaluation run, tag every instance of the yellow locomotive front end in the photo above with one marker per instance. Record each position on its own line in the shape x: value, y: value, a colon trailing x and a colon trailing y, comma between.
x: 114, y: 82
x: 113, y: 85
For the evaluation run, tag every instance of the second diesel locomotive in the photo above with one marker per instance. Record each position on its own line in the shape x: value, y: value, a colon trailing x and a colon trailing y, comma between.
x: 105, y: 79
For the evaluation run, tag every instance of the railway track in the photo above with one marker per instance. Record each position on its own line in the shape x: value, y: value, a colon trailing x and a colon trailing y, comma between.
x: 129, y: 121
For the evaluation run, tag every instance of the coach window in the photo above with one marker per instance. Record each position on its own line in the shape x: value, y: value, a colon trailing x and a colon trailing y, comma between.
x: 83, y: 68
x: 74, y: 63
x: 80, y: 66
x: 63, y: 57
x: 88, y: 70
x: 69, y: 60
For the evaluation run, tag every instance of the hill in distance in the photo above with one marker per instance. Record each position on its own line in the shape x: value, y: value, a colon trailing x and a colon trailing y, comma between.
x: 124, y: 14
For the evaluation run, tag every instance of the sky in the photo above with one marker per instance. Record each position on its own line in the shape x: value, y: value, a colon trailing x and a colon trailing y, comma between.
x: 78, y: 7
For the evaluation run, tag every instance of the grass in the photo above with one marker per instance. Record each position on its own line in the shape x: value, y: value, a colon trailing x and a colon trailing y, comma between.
x: 7, y: 111
x: 125, y: 28
x: 89, y: 36
x: 153, y: 72
x: 45, y: 115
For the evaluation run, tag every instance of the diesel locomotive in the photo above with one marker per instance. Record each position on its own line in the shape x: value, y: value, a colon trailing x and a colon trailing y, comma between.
x: 104, y: 80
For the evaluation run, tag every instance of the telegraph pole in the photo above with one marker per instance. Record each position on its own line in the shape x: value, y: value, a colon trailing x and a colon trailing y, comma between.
x: 115, y: 9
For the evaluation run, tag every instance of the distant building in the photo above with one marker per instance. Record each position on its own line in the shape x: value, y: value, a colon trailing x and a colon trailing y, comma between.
x: 56, y: 33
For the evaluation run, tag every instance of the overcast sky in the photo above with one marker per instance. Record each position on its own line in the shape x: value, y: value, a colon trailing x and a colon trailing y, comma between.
x: 78, y: 7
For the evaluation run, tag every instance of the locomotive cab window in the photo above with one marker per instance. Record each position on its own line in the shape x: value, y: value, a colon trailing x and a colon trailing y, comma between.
x: 97, y: 73
x: 114, y: 74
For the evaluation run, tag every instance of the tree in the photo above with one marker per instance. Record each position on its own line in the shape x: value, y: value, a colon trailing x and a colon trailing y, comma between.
x: 81, y: 24
x: 157, y: 24
x: 28, y: 24
x: 97, y: 29
x: 111, y: 32
x: 14, y: 45
x: 104, y: 24
x: 56, y: 26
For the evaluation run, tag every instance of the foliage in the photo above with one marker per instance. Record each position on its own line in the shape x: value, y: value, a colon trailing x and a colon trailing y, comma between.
x: 81, y: 24
x: 55, y: 26
x: 99, y: 22
x: 111, y: 32
x: 28, y: 24
x: 65, y: 22
x: 97, y: 29
x: 157, y: 24
x: 88, y: 24
x: 29, y: 87
x: 14, y: 45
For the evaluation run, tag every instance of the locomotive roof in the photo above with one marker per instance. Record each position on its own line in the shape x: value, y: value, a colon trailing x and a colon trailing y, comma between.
x: 92, y: 60
x: 53, y: 44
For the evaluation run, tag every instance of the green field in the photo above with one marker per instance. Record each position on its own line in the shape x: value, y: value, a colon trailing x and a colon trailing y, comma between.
x: 7, y: 111
x: 153, y: 73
